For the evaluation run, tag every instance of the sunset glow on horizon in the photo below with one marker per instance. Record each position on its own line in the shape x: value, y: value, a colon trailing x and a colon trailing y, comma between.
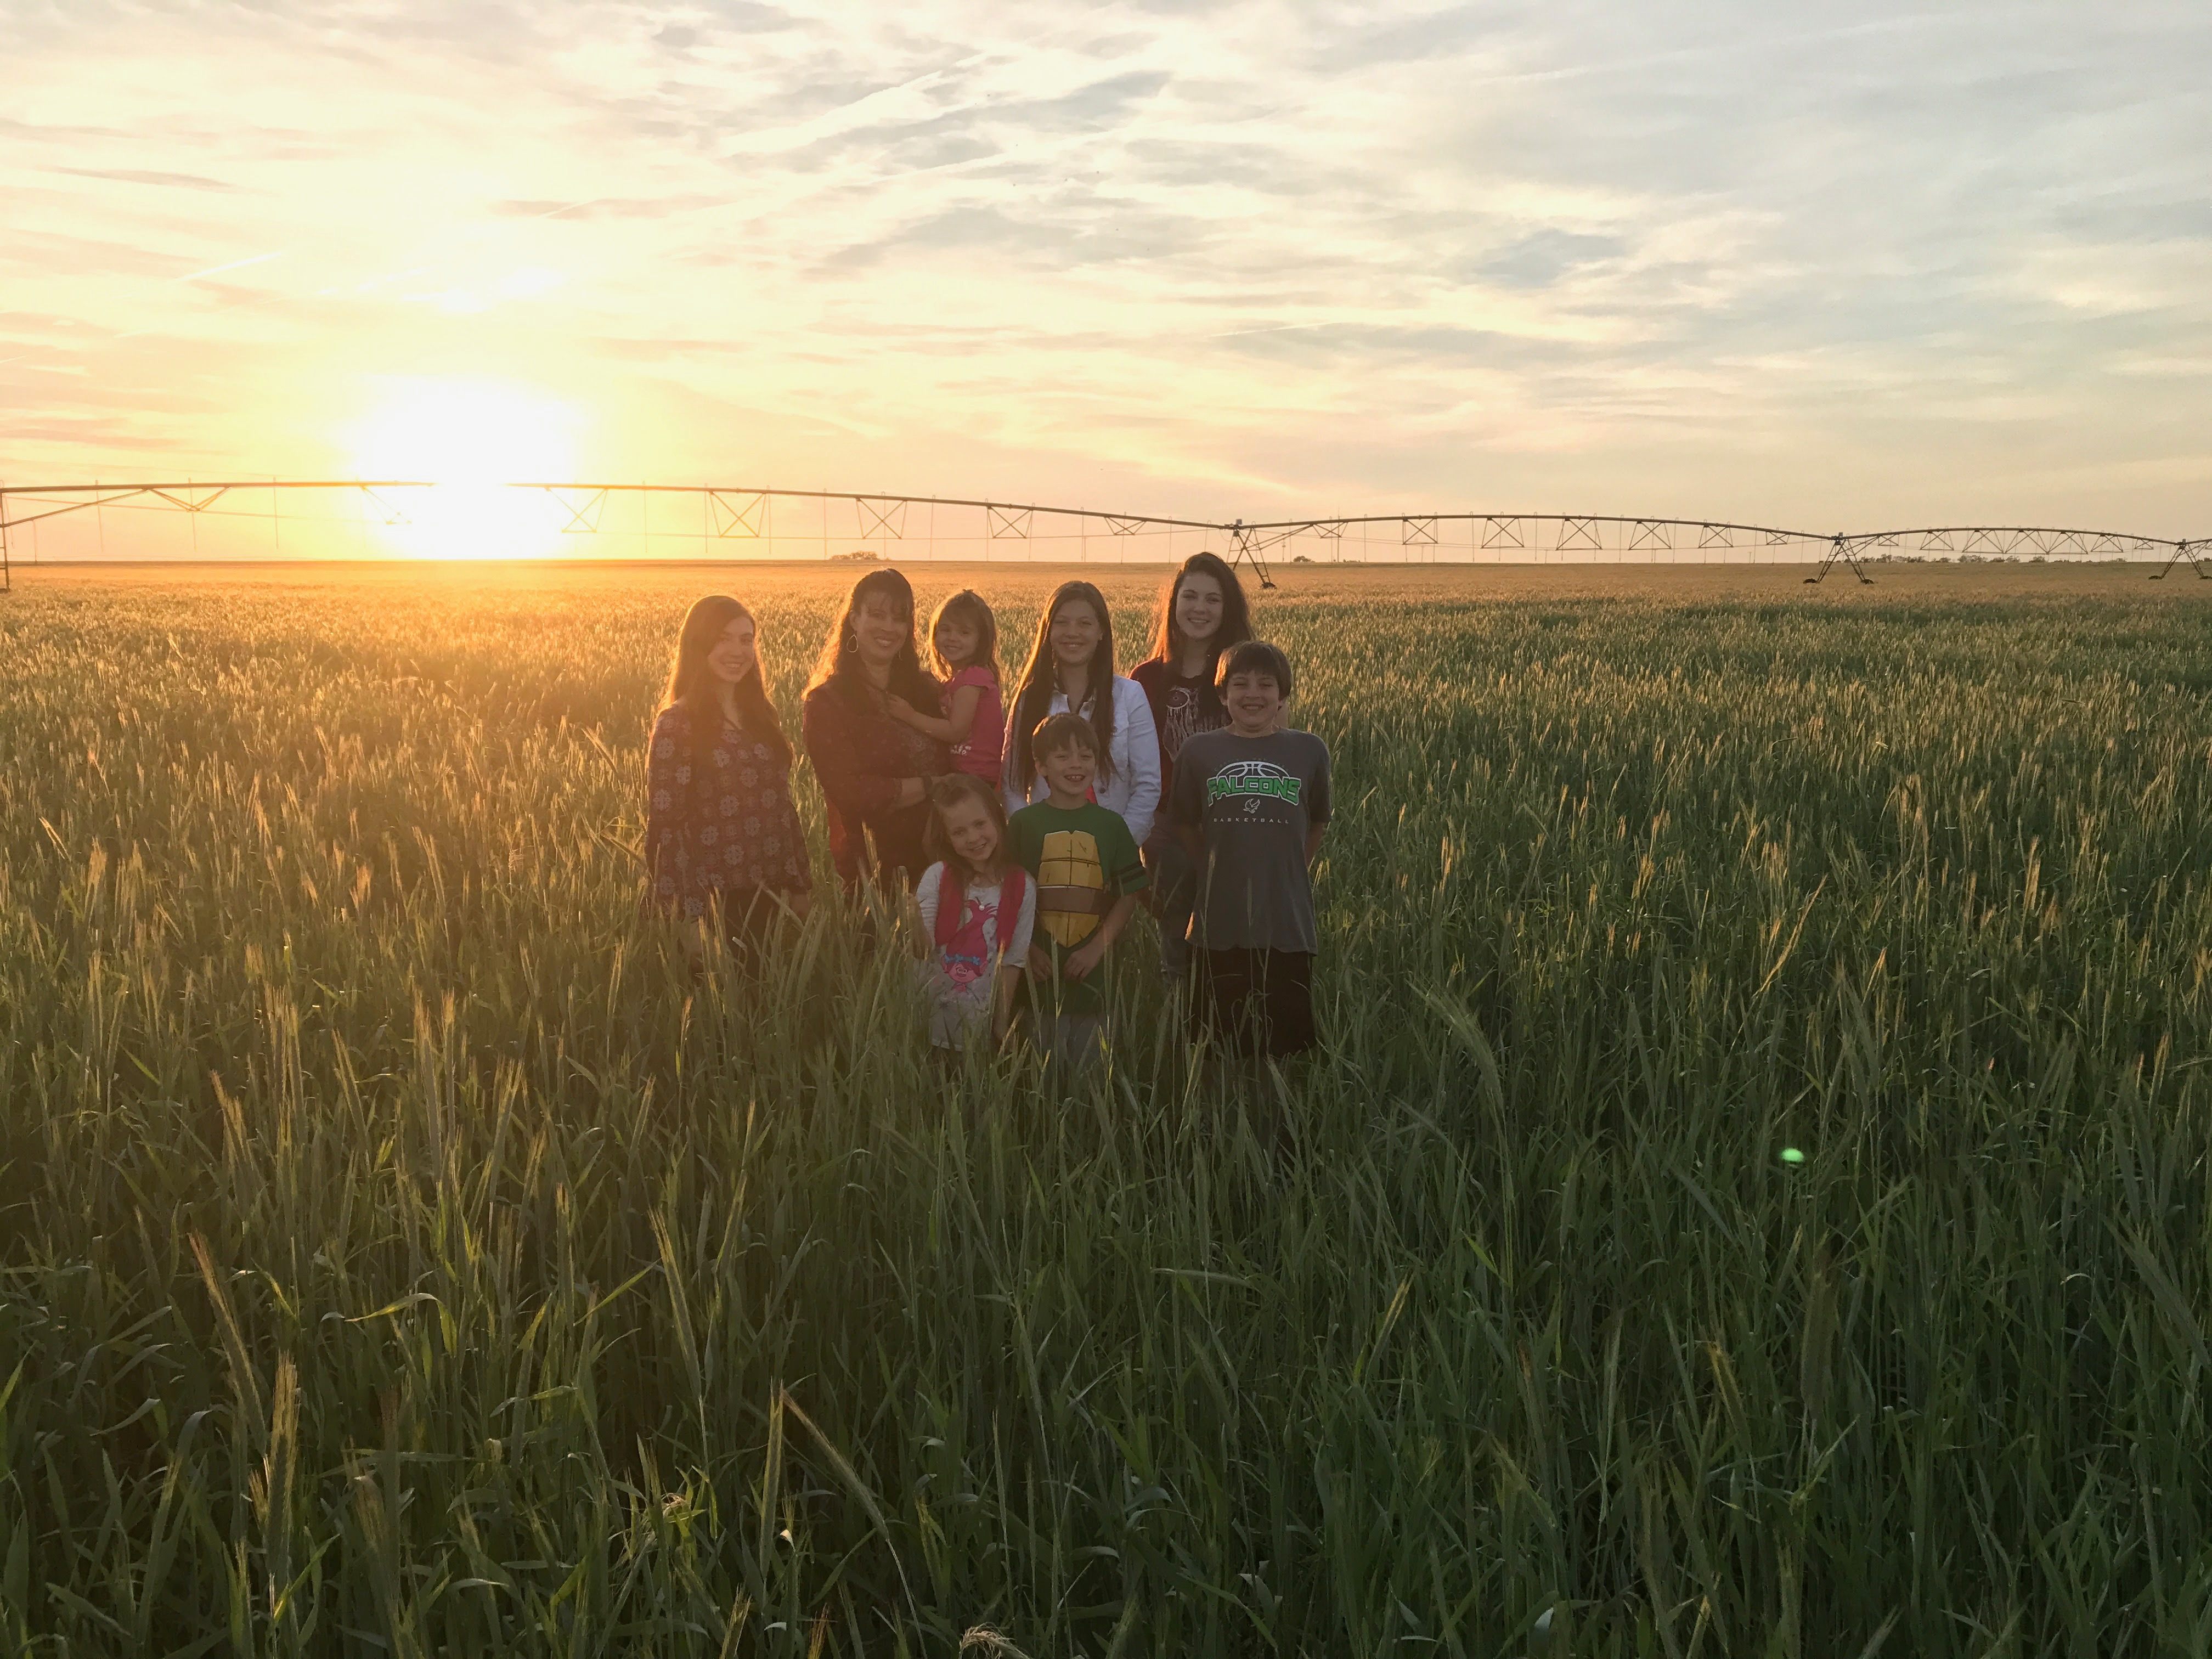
x: 473, y: 439
x: 1850, y: 266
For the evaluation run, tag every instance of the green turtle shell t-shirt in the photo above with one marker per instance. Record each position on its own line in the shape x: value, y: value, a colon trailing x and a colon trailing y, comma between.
x: 1083, y: 860
x: 1254, y: 799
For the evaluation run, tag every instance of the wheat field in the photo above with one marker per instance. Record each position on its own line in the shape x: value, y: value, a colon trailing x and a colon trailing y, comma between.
x: 404, y: 1255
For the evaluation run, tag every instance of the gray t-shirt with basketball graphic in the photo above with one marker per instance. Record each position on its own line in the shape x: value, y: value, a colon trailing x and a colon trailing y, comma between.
x: 1254, y: 799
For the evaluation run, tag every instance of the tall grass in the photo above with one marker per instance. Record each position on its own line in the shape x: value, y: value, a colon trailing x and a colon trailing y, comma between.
x: 404, y: 1255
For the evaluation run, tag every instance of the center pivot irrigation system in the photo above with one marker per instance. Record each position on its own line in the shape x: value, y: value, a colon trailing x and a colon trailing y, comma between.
x: 334, y: 517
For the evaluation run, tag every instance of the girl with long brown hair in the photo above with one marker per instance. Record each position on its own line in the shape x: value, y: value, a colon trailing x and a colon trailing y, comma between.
x: 1202, y: 614
x: 1071, y: 670
x: 722, y: 841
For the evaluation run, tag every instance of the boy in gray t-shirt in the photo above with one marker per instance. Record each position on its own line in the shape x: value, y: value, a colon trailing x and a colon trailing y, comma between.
x: 1251, y: 801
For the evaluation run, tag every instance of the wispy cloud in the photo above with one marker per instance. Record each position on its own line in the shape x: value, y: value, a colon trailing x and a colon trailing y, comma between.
x: 141, y: 176
x: 1833, y: 263
x: 232, y: 264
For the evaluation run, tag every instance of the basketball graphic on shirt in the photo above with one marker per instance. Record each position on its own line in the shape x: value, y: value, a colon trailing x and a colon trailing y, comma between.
x: 1255, y: 778
x: 1068, y: 858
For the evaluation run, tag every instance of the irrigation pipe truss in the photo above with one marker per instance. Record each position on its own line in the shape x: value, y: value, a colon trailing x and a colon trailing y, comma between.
x: 730, y: 512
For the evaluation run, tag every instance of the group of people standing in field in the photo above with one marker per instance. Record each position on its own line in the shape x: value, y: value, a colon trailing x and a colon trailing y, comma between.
x: 1026, y: 824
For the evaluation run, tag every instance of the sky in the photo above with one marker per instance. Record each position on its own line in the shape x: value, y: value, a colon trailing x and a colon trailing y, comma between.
x: 1837, y: 265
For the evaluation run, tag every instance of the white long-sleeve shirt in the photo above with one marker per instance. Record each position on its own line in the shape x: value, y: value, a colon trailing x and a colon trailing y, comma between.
x: 1133, y: 788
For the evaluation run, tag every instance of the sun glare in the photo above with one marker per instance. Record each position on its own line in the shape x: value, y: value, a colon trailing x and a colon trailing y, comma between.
x: 472, y: 439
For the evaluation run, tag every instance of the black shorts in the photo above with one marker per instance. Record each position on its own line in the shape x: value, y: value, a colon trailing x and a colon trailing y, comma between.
x: 1254, y: 1002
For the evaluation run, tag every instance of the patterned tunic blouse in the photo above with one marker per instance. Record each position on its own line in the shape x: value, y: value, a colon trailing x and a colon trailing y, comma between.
x: 733, y: 827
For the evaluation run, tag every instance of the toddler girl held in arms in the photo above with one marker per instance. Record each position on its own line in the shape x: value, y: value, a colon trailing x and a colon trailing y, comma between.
x: 963, y: 648
x: 978, y: 906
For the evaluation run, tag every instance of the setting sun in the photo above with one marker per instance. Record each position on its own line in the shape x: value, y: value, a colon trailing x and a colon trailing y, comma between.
x: 473, y: 439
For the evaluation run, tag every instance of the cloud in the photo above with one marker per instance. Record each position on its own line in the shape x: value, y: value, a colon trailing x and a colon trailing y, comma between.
x: 1821, y: 264
x: 139, y: 176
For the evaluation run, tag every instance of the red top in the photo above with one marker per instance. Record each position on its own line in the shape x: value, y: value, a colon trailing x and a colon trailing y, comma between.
x: 984, y: 753
x: 862, y: 757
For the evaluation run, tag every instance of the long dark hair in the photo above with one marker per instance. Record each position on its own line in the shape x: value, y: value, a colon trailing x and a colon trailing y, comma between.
x: 692, y: 686
x: 1039, y: 681
x: 1235, y: 614
x: 839, y: 665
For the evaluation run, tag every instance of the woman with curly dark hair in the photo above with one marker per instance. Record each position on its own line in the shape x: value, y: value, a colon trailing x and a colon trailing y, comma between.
x: 875, y: 770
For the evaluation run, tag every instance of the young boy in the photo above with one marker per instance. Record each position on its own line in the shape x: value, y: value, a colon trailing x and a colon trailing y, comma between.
x: 1250, y: 802
x: 1088, y: 876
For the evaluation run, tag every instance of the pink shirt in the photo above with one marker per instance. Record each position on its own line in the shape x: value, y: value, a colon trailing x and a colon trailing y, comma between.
x: 984, y: 752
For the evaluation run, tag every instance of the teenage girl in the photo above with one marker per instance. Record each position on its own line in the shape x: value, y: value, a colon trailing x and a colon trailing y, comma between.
x: 1071, y: 670
x: 978, y: 906
x: 1202, y: 614
x: 722, y: 841
x: 964, y: 651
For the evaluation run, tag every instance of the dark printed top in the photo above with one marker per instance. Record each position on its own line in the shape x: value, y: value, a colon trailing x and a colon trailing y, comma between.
x: 1182, y: 706
x: 727, y: 826
x: 862, y: 756
x: 1252, y: 801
